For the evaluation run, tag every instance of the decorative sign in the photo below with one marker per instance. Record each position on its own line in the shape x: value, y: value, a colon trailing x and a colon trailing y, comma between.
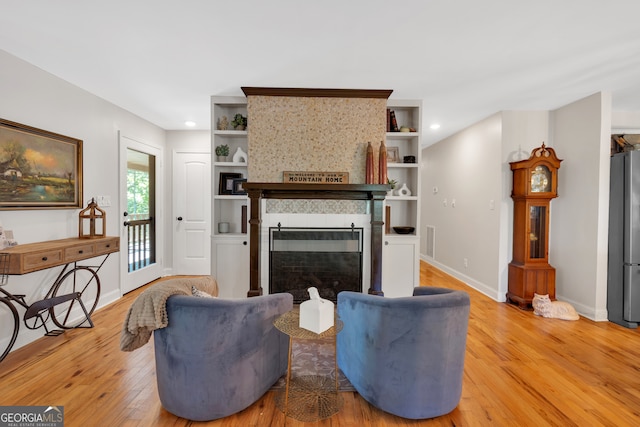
x: 289, y: 177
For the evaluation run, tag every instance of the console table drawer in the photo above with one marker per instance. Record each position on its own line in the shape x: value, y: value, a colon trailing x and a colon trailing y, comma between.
x: 79, y: 252
x: 108, y: 246
x: 38, y: 261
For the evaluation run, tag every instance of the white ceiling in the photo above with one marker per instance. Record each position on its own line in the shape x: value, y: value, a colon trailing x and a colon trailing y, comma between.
x: 466, y: 59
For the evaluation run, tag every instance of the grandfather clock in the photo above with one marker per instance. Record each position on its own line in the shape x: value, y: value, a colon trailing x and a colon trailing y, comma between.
x: 535, y: 183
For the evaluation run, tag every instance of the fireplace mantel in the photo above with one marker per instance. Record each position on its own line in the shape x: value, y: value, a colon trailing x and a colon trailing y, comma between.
x: 271, y: 190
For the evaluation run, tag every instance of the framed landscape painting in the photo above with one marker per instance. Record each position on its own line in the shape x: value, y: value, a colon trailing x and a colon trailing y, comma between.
x: 39, y: 169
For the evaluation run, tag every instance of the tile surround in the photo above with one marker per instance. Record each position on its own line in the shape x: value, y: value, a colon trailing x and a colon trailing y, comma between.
x: 344, y: 207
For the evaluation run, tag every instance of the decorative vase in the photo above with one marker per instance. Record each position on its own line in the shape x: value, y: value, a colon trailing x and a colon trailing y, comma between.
x: 239, y: 127
x: 240, y: 156
x: 222, y: 158
x: 382, y: 164
x: 404, y: 190
x: 223, y: 123
x: 369, y: 168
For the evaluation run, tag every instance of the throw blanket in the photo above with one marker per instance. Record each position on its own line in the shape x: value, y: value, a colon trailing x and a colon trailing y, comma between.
x: 149, y: 312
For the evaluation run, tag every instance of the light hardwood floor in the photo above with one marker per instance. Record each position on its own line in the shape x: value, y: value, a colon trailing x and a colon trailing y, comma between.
x: 520, y: 370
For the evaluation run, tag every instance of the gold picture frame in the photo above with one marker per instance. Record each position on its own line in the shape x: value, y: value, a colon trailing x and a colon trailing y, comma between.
x: 39, y: 169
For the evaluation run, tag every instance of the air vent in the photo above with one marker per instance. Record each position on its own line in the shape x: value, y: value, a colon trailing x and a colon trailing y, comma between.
x: 431, y: 241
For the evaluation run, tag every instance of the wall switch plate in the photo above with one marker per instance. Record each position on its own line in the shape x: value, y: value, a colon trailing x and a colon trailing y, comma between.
x: 103, y: 201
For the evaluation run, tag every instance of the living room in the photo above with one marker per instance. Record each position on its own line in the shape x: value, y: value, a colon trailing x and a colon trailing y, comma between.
x: 469, y: 165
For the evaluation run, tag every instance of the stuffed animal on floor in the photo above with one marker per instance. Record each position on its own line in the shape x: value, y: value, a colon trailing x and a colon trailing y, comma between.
x: 543, y: 306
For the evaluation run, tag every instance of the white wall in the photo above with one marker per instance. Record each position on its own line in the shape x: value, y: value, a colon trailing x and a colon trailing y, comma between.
x: 36, y: 98
x: 578, y: 235
x: 467, y: 168
x: 580, y: 134
x: 625, y: 122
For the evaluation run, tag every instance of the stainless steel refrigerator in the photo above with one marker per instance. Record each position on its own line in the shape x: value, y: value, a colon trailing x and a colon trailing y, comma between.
x: 623, y: 287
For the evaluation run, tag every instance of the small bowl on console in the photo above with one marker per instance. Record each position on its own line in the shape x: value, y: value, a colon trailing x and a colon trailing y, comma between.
x: 404, y: 229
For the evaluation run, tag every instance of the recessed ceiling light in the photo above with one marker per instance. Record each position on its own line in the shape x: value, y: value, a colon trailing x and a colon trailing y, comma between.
x: 434, y: 126
x: 190, y: 123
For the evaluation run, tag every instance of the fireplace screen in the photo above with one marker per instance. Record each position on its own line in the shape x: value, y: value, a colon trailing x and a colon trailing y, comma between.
x: 329, y: 259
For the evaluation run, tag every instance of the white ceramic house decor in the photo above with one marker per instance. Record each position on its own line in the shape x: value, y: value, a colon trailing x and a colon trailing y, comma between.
x: 404, y: 190
x: 316, y: 314
x: 240, y: 156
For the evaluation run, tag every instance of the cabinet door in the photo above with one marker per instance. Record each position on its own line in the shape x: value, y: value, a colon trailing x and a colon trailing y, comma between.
x: 399, y: 266
x: 231, y: 266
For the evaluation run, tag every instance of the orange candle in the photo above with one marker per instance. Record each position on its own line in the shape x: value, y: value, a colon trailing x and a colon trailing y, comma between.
x: 382, y: 164
x: 370, y: 178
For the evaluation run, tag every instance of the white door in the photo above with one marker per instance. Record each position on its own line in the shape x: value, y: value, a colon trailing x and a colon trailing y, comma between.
x: 191, y: 213
x: 141, y: 209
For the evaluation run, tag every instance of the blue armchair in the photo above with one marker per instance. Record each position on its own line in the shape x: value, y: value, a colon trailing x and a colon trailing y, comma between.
x: 405, y: 355
x: 218, y: 356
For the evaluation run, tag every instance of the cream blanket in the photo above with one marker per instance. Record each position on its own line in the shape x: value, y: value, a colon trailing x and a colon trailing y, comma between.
x: 148, y: 312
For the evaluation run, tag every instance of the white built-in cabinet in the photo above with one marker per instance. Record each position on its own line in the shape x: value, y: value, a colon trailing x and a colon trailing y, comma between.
x: 400, y: 265
x: 400, y: 252
x: 231, y: 265
x: 230, y: 250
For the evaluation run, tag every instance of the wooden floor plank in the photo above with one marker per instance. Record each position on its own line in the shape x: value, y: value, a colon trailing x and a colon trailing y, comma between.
x: 520, y: 369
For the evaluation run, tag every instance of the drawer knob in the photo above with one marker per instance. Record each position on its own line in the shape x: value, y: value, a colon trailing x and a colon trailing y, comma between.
x: 108, y: 246
x: 80, y: 251
x: 44, y: 258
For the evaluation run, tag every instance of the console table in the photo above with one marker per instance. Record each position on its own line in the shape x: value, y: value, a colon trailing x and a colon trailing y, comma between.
x: 73, y: 295
x: 32, y: 257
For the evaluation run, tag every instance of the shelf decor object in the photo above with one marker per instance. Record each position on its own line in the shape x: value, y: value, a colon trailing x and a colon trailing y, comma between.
x: 306, y: 177
x: 370, y: 177
x: 392, y: 155
x: 404, y: 190
x: 92, y: 222
x: 222, y: 151
x: 226, y: 182
x: 382, y: 164
x: 240, y: 156
x: 535, y: 183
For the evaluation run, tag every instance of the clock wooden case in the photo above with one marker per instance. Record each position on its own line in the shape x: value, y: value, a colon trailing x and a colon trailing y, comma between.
x: 535, y: 183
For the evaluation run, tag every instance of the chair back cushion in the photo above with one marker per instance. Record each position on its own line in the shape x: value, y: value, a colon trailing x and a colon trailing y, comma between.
x: 405, y: 355
x: 218, y: 356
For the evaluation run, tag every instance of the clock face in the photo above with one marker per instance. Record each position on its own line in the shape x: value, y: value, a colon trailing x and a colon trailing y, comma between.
x: 540, y: 179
